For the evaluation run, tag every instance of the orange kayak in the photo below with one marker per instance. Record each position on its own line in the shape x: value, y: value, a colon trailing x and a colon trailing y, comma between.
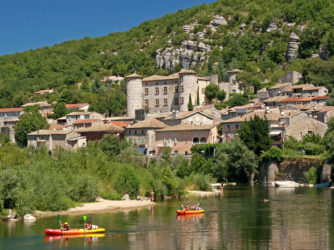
x: 186, y: 212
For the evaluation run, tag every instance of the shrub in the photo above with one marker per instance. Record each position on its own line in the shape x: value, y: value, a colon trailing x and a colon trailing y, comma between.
x: 273, y: 154
x: 126, y: 181
x: 311, y: 175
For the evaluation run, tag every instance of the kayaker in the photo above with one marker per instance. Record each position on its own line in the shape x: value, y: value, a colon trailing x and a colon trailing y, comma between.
x: 90, y: 226
x: 66, y: 226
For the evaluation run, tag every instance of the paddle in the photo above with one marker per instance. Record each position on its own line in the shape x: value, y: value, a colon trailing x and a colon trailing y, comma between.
x: 59, y: 222
x: 84, y: 218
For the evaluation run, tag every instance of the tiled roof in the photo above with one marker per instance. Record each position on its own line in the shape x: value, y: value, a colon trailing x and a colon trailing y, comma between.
x: 272, y: 115
x: 51, y: 132
x: 84, y: 121
x: 320, y: 98
x: 122, y: 124
x: 9, y: 110
x: 302, y: 86
x: 160, y: 78
x: 75, y: 106
x: 281, y: 85
x: 183, y: 127
x: 274, y: 99
x: 187, y: 71
x: 296, y: 99
x: 148, y: 123
x: 58, y: 127
x: 101, y: 128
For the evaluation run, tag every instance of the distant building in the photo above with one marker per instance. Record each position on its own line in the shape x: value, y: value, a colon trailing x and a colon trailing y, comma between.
x: 44, y: 91
x: 180, y: 138
x: 75, y: 116
x: 97, y: 132
x: 163, y: 94
x: 291, y: 77
x: 46, y: 108
x: 54, y: 139
x: 232, y: 86
x: 8, y: 118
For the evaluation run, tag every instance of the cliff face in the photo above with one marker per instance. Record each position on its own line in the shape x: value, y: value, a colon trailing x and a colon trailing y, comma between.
x: 293, y: 169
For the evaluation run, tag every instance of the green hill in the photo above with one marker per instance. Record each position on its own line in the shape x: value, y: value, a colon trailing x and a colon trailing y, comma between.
x: 257, y: 39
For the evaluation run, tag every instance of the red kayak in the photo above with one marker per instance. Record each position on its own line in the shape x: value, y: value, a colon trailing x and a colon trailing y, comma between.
x: 80, y: 231
x: 186, y: 212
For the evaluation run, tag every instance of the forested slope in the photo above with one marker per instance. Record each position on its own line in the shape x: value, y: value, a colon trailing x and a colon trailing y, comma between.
x: 255, y: 39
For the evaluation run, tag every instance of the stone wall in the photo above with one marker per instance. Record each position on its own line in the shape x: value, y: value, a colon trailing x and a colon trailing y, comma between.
x: 293, y: 169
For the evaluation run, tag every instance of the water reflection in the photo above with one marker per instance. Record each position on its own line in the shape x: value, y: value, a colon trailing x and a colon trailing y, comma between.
x: 77, y: 240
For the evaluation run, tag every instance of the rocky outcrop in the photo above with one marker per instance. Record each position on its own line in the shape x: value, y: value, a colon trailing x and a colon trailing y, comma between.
x: 218, y: 21
x: 29, y: 218
x: 271, y: 27
x: 187, y: 56
x: 293, y: 46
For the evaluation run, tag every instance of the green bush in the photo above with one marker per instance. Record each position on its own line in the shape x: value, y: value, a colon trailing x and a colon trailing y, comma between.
x: 126, y: 181
x: 273, y: 154
x: 111, y: 196
x: 311, y: 175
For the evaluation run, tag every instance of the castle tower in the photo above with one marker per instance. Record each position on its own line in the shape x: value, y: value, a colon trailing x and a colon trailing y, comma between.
x: 134, y: 94
x: 187, y: 86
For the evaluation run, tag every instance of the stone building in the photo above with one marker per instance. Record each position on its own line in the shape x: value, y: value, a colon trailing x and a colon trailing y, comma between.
x: 8, y: 118
x: 232, y: 86
x: 162, y: 94
x: 53, y: 139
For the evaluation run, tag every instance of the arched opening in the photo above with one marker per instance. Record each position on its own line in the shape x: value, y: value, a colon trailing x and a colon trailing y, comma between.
x: 196, y: 140
x: 203, y: 140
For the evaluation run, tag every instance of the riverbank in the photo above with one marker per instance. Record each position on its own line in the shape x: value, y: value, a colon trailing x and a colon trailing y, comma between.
x: 101, y: 205
x: 205, y: 193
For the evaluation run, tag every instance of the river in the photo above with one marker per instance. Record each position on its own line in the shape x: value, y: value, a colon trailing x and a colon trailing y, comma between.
x: 299, y: 218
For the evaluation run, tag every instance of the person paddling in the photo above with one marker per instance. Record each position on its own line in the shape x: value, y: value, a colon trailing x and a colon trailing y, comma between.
x: 65, y: 226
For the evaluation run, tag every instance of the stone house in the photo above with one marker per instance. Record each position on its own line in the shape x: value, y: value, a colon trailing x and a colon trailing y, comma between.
x: 189, y: 117
x: 232, y: 86
x: 46, y: 108
x: 8, y: 118
x: 143, y: 133
x: 54, y: 139
x: 305, y: 101
x: 74, y: 116
x: 292, y: 77
x: 180, y: 138
x: 97, y: 132
x: 321, y: 113
x: 86, y: 123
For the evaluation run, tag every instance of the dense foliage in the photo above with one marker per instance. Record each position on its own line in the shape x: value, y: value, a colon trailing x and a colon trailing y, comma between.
x: 260, y: 54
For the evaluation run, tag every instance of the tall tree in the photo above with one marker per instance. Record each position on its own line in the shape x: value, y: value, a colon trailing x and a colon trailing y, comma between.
x: 211, y: 91
x: 190, y: 104
x: 197, y: 97
x: 255, y: 135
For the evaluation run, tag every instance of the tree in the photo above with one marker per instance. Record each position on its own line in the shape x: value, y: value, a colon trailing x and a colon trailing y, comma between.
x: 249, y: 79
x: 29, y: 122
x: 197, y: 97
x: 237, y: 100
x: 255, y: 135
x: 211, y: 91
x: 59, y: 110
x: 190, y: 104
x: 111, y: 145
x: 221, y: 94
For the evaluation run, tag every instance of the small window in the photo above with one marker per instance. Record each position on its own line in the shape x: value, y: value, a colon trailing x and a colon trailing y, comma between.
x: 169, y: 141
x: 135, y: 141
x: 236, y: 127
x: 181, y: 100
x: 142, y: 131
x: 157, y: 91
x: 175, y: 140
x: 142, y: 140
x: 202, y: 132
x: 165, y: 102
x: 175, y: 133
x: 165, y: 90
x: 164, y: 141
x: 181, y: 88
x: 146, y: 103
x: 176, y: 89
x: 135, y: 132
x: 146, y: 91
x: 157, y: 102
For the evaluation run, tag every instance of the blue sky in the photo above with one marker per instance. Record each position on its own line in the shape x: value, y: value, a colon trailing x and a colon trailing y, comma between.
x: 31, y: 24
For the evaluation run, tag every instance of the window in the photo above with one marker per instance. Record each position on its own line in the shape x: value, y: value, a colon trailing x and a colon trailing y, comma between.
x: 146, y: 103
x: 164, y: 141
x: 181, y: 79
x: 135, y: 131
x: 157, y: 102
x: 175, y: 133
x: 236, y: 127
x: 165, y: 102
x: 164, y: 133
x: 169, y: 142
x: 176, y: 89
x: 142, y: 131
x: 157, y: 91
x: 181, y: 100
x: 135, y: 141
x: 86, y: 117
x: 142, y: 140
x: 129, y: 132
x: 181, y: 88
x: 175, y: 140
x: 202, y: 132
x: 165, y: 90
x: 146, y: 91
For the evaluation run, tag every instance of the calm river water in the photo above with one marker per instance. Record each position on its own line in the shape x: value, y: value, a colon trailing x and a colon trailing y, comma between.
x: 300, y: 218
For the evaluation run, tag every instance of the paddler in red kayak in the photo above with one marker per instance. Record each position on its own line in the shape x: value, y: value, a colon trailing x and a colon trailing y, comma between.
x: 65, y: 226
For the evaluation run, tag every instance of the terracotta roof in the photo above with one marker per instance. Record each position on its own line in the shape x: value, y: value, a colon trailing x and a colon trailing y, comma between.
x: 187, y: 71
x: 148, y: 123
x: 160, y: 78
x: 184, y: 127
x: 122, y: 124
x: 133, y: 76
x: 51, y: 132
x: 320, y: 98
x: 58, y: 127
x: 101, y: 128
x: 9, y: 110
x: 75, y: 106
x: 84, y: 121
x: 296, y: 99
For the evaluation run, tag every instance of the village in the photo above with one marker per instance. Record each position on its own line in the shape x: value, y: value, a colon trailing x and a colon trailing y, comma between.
x: 158, y: 114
